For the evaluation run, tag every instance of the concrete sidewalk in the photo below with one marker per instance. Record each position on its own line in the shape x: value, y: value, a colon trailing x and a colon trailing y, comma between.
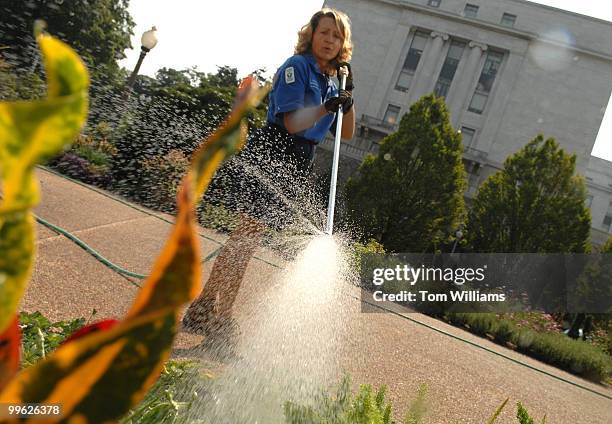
x: 68, y: 282
x: 465, y: 383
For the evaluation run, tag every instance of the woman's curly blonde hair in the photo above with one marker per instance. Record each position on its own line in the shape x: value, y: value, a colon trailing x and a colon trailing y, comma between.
x: 304, y: 43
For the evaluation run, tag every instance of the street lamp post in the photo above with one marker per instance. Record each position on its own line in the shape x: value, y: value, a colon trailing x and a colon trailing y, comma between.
x: 458, y: 236
x: 147, y: 41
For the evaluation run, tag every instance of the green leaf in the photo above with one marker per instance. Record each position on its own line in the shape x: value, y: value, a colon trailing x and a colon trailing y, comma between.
x: 30, y: 132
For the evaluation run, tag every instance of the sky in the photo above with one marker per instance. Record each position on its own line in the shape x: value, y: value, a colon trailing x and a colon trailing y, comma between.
x: 207, y: 34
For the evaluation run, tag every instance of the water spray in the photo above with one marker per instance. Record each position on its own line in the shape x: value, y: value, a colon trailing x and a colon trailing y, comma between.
x: 331, y: 203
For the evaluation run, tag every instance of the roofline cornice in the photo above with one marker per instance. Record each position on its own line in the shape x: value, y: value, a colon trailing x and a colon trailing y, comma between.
x: 525, y: 35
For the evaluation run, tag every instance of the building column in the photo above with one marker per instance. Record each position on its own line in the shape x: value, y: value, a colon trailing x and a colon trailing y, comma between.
x: 426, y: 76
x: 460, y: 89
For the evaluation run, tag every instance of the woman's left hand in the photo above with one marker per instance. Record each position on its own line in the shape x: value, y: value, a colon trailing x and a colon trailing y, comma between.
x: 344, y: 99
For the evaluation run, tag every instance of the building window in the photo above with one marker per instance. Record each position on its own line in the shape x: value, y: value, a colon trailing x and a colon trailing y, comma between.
x: 589, y: 201
x: 449, y: 68
x: 485, y: 82
x: 468, y: 136
x: 470, y: 11
x: 608, y: 218
x: 606, y: 222
x: 391, y: 114
x: 478, y: 103
x: 412, y: 61
x: 508, y: 20
x: 434, y: 3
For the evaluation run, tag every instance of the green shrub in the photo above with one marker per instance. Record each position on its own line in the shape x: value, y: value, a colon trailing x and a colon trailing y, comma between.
x: 92, y: 155
x: 480, y: 324
x: 172, y: 397
x: 537, y: 321
x: 97, y: 150
x: 360, y: 250
x: 418, y: 407
x: 217, y: 217
x: 74, y: 166
x: 161, y: 177
x: 372, y: 246
x: 525, y: 338
x: 602, y: 339
x: 556, y: 349
x: 523, y: 415
x: 572, y: 355
x: 19, y: 84
x: 88, y: 160
x: 505, y: 332
x: 366, y: 407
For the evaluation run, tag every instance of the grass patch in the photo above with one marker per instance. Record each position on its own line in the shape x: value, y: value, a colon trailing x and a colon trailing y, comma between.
x: 172, y: 396
x: 39, y: 336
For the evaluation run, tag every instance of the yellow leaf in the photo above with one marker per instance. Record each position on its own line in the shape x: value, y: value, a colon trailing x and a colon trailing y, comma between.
x: 31, y: 132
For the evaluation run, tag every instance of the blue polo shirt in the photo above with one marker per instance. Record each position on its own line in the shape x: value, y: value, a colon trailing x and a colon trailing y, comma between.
x: 299, y: 83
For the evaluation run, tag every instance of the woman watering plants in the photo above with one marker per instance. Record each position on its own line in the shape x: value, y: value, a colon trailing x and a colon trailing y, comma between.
x: 303, y: 105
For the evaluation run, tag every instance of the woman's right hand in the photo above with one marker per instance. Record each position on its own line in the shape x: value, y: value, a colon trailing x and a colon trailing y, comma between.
x: 350, y: 86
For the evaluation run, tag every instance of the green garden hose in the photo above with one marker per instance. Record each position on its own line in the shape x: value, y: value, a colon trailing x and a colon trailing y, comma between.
x: 139, y: 209
x: 101, y: 258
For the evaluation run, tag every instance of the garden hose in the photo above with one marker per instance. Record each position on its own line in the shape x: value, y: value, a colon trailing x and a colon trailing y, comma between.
x: 139, y: 209
x: 101, y: 258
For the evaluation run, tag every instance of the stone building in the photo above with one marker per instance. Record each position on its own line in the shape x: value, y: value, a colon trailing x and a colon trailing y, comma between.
x: 509, y: 69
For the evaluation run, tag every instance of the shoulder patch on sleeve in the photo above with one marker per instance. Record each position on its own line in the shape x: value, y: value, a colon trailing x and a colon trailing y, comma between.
x: 289, y: 75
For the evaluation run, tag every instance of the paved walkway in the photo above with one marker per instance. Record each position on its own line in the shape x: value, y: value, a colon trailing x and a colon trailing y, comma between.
x: 465, y: 383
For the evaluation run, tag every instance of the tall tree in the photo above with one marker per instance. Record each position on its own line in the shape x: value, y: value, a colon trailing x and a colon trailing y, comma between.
x: 99, y: 30
x: 409, y: 196
x: 181, y: 108
x: 226, y: 76
x: 536, y: 203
